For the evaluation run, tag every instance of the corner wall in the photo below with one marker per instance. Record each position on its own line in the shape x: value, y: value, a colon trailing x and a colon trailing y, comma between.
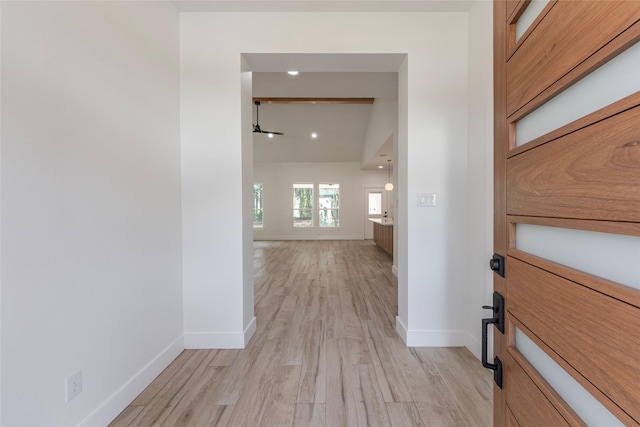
x: 91, y: 247
x: 480, y: 170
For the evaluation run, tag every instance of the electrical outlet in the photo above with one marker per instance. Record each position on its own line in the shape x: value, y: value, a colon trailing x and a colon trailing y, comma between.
x: 73, y: 386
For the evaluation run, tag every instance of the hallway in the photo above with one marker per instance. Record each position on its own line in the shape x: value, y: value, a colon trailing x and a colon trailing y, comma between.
x: 325, y: 353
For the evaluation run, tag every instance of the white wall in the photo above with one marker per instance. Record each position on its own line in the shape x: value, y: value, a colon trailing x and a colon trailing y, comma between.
x: 382, y: 125
x: 480, y: 170
x: 278, y: 178
x: 90, y: 226
x: 91, y: 248
x: 248, y: 320
x: 0, y: 215
x: 431, y: 158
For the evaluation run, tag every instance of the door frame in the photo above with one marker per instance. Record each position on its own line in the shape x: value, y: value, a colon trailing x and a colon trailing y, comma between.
x: 365, y: 208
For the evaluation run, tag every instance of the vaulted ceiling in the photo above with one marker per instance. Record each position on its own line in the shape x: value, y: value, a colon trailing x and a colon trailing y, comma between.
x: 341, y: 128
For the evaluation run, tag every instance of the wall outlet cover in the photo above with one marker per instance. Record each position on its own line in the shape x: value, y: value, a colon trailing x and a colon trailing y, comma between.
x: 73, y: 386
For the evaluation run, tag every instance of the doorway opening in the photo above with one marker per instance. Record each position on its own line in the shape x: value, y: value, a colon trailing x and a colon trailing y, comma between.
x: 375, y: 207
x: 328, y: 63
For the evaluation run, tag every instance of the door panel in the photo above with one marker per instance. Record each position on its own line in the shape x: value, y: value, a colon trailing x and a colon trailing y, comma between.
x: 579, y: 400
x: 511, y: 6
x: 571, y: 32
x: 606, y: 86
x: 575, y: 322
x: 588, y: 174
x: 525, y: 19
x: 511, y: 419
x: 529, y: 402
x: 580, y: 174
x: 581, y: 250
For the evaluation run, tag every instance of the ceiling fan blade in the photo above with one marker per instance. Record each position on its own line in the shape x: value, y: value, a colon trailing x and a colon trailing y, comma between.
x: 256, y: 127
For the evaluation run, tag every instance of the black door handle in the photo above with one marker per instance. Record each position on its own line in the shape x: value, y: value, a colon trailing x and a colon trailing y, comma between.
x: 485, y: 349
x: 498, y: 320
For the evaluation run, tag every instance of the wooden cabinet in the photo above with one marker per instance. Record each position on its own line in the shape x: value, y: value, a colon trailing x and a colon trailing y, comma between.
x: 383, y: 235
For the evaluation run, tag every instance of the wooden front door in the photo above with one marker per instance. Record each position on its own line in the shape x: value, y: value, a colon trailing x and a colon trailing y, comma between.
x: 567, y: 212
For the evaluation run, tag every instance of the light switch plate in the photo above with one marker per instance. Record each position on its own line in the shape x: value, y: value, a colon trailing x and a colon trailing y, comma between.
x: 426, y: 200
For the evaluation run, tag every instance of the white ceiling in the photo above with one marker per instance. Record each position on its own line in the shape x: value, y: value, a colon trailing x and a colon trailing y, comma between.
x: 341, y: 132
x: 323, y: 5
x: 341, y: 128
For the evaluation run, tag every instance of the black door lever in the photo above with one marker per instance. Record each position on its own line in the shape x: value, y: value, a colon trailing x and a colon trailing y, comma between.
x: 498, y: 311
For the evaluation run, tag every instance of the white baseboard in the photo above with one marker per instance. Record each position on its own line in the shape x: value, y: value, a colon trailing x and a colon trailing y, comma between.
x: 401, y: 329
x: 473, y: 345
x: 219, y: 340
x: 111, y: 408
x: 433, y: 338
x: 249, y: 331
x: 394, y: 270
x: 310, y: 237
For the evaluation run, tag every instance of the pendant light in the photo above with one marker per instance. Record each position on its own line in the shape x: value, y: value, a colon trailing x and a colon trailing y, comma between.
x: 389, y: 185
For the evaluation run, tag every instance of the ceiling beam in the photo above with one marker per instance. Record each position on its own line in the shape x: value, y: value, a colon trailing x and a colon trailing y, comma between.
x: 314, y: 100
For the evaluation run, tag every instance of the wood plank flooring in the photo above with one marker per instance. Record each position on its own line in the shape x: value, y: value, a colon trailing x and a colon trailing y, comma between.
x: 325, y: 353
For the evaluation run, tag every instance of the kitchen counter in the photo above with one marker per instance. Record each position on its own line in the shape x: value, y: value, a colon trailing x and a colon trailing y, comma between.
x: 382, y: 221
x: 383, y: 233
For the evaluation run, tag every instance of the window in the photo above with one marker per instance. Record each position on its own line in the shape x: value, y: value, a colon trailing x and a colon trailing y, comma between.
x: 257, y: 206
x: 375, y: 203
x: 303, y: 205
x: 329, y: 205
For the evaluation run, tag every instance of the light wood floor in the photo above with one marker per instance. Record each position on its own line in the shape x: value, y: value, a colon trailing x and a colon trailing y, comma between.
x: 325, y: 353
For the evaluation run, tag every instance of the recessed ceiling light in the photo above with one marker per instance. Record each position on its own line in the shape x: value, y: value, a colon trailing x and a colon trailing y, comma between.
x: 380, y: 167
x: 314, y: 135
x: 270, y: 135
x: 293, y: 73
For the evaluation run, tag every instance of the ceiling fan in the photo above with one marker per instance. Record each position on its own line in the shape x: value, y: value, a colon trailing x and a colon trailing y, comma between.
x: 256, y: 127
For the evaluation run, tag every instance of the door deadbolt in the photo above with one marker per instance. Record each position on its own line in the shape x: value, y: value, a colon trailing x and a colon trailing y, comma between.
x: 496, y: 263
